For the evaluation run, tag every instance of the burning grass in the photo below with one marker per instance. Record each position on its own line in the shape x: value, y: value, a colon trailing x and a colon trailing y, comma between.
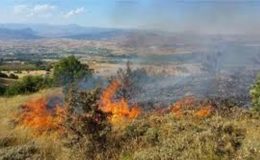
x: 17, y: 142
x: 192, y: 107
x: 191, y: 129
x: 42, y: 117
x: 119, y: 109
x: 38, y: 115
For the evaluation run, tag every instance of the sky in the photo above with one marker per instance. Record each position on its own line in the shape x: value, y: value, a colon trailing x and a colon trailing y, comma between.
x: 207, y: 16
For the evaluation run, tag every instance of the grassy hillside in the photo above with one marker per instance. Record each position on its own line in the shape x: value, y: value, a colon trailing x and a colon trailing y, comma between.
x: 19, y: 142
x: 227, y: 134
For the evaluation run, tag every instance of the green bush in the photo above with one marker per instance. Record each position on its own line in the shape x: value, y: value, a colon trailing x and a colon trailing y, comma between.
x: 13, y: 76
x: 29, y: 84
x: 2, y: 90
x: 3, y: 75
x: 69, y: 70
x: 255, y: 94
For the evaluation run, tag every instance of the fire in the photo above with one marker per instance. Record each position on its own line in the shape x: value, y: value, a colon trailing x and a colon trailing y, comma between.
x: 190, y: 106
x: 180, y: 105
x: 120, y: 110
x: 204, y: 112
x: 36, y: 114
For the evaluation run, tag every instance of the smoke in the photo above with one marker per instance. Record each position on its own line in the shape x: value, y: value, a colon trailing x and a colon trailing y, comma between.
x: 92, y: 82
x: 151, y: 91
x: 211, y: 17
x: 54, y: 101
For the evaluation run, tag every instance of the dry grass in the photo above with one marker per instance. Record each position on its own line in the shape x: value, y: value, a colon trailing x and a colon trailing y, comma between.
x: 20, y: 143
x: 27, y: 73
x: 225, y: 135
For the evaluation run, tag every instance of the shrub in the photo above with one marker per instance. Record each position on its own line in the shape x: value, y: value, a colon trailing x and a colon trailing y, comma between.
x: 86, y: 125
x: 3, y: 75
x: 2, y: 90
x: 69, y: 70
x: 255, y: 94
x: 29, y: 84
x: 131, y: 81
x: 13, y: 76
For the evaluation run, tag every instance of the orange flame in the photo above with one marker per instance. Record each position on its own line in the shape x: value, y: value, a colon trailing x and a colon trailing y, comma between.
x: 178, y: 106
x: 188, y: 106
x: 120, y: 109
x: 204, y: 112
x: 36, y: 114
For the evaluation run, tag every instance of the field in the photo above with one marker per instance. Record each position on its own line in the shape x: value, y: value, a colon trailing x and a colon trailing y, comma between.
x: 4, y: 82
x: 224, y: 134
x: 24, y: 73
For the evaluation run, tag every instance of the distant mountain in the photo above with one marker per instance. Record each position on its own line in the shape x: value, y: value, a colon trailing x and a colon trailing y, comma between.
x: 65, y: 31
x: 26, y: 33
x: 100, y: 34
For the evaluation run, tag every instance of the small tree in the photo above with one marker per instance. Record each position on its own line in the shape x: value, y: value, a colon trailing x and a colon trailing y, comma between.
x: 70, y: 70
x: 130, y: 81
x: 13, y: 76
x: 255, y: 94
x: 87, y: 127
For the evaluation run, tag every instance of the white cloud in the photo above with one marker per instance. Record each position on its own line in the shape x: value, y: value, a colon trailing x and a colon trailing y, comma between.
x: 21, y: 9
x: 44, y: 10
x: 74, y: 12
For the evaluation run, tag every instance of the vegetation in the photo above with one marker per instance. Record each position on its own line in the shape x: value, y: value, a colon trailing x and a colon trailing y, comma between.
x: 28, y: 84
x: 255, y: 94
x: 86, y: 132
x: 66, y: 71
x: 19, y: 142
x: 130, y: 79
x: 3, y: 75
x: 223, y: 135
x: 13, y: 76
x: 69, y: 70
x: 18, y: 67
x: 26, y: 66
x: 2, y: 90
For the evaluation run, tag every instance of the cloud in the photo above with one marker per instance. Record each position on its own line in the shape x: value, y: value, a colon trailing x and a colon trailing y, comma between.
x: 74, y: 12
x: 43, y: 10
x: 21, y: 9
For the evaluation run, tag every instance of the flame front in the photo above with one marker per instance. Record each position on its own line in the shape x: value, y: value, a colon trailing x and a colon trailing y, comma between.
x: 120, y: 110
x: 35, y: 114
x: 190, y: 106
x: 204, y: 111
x: 182, y: 104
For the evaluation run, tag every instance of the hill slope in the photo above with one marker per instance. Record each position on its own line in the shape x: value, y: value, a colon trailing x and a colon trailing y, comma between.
x: 228, y: 134
x: 26, y: 33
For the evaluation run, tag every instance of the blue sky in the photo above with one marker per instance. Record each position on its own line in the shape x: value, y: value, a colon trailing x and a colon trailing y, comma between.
x: 210, y: 16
